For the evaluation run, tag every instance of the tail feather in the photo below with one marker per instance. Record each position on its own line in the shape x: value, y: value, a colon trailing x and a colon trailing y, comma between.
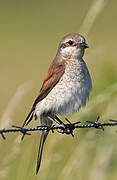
x: 42, y: 140
x: 45, y: 121
x: 28, y: 118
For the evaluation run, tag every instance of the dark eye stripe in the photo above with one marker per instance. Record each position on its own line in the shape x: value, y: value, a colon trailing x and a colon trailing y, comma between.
x: 66, y: 44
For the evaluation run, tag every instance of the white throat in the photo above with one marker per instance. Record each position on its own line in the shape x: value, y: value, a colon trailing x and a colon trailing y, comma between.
x: 73, y: 52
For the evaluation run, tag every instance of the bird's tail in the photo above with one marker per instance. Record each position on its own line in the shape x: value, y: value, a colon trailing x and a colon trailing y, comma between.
x: 44, y: 121
x: 42, y: 140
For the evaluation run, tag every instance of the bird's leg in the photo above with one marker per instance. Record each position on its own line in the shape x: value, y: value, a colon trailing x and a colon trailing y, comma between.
x: 60, y: 122
x: 69, y: 128
x: 54, y: 120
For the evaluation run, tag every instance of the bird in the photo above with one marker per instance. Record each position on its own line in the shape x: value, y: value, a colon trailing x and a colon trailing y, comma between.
x: 66, y: 87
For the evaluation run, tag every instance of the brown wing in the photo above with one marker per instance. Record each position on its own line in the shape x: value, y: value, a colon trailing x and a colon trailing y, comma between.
x: 54, y: 74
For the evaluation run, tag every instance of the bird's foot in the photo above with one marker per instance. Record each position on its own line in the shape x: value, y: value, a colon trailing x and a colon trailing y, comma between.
x: 68, y: 128
x: 96, y: 124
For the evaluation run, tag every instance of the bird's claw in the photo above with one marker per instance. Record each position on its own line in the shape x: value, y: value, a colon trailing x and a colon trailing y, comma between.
x: 68, y: 128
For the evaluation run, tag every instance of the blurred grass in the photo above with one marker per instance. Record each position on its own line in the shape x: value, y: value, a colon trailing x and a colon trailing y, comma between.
x: 29, y: 35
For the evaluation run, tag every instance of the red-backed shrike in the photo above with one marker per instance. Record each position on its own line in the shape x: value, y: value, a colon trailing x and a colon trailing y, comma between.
x: 66, y: 86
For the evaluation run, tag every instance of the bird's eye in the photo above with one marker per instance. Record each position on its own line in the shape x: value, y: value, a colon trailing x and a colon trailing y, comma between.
x: 70, y: 42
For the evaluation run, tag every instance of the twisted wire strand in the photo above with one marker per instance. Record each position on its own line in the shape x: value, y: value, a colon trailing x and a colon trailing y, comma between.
x: 67, y: 128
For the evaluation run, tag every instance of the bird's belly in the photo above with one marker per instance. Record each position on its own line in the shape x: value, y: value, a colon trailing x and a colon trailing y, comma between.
x: 66, y: 97
x: 71, y: 97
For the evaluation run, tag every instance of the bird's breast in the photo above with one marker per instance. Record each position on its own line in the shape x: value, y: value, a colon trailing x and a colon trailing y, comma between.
x: 70, y: 93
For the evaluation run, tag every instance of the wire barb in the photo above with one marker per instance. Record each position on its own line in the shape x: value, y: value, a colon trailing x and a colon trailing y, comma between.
x: 23, y: 131
x: 2, y: 135
x: 96, y: 124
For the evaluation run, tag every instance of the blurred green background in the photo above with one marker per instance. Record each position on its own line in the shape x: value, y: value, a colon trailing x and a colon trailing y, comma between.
x: 30, y: 32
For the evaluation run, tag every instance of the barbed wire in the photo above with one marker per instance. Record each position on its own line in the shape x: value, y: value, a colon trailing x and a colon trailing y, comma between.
x: 64, y: 128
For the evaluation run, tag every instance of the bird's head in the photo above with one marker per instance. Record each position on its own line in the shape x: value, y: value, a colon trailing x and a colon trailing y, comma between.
x: 73, y: 45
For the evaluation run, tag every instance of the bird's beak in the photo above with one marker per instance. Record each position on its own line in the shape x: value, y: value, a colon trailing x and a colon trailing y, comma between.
x: 84, y: 45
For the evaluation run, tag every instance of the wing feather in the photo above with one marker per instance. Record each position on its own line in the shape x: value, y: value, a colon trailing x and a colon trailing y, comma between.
x: 55, y: 72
